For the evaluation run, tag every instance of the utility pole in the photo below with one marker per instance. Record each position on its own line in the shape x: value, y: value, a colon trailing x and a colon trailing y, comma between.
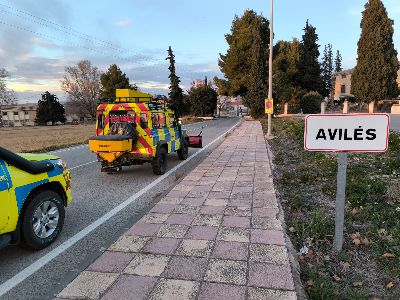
x: 271, y: 44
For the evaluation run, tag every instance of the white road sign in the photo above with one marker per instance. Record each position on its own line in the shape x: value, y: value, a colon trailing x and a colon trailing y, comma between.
x: 347, y: 132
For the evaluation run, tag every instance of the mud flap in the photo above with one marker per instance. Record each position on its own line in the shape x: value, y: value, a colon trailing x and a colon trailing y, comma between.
x: 195, y: 141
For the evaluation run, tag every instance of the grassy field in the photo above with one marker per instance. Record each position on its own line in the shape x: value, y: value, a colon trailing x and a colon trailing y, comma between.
x: 44, y: 138
x: 369, y: 265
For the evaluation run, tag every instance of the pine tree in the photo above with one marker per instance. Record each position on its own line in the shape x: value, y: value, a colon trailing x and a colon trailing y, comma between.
x: 175, y: 91
x: 113, y: 79
x: 257, y: 87
x: 309, y: 67
x: 237, y: 62
x: 374, y: 77
x: 327, y: 70
x: 49, y: 110
x: 338, y: 62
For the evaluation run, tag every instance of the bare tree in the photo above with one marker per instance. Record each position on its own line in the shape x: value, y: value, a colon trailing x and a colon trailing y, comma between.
x: 82, y: 84
x: 7, y: 96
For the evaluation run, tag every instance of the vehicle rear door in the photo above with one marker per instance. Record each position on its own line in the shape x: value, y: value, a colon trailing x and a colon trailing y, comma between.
x: 5, y: 185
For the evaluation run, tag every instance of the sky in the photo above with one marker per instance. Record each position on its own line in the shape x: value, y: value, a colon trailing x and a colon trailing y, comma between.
x: 38, y: 39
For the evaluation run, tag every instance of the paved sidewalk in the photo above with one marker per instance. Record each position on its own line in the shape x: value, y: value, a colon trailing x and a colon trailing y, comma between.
x: 214, y: 236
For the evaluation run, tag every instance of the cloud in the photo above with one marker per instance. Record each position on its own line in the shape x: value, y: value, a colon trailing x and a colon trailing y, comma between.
x: 122, y: 23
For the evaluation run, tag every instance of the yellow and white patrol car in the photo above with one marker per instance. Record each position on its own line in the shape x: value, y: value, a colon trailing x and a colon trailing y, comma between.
x: 134, y: 129
x: 34, y: 189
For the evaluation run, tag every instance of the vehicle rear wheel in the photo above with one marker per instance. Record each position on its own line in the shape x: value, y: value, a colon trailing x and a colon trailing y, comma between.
x: 159, y: 162
x: 183, y: 152
x: 43, y: 220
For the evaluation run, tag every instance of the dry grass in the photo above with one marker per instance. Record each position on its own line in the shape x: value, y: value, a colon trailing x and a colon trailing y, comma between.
x: 44, y: 138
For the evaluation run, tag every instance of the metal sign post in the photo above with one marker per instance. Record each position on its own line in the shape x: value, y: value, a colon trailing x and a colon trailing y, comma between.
x: 345, y: 133
x: 340, y: 200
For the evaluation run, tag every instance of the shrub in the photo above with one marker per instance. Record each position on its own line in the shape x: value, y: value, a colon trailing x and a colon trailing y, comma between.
x: 311, y: 103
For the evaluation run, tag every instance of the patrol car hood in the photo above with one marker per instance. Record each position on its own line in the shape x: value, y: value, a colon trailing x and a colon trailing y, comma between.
x: 38, y: 157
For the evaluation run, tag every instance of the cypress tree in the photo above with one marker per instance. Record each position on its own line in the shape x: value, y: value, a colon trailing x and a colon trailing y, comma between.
x: 327, y: 70
x: 338, y: 62
x: 374, y: 77
x: 257, y: 79
x: 175, y: 91
x: 309, y: 67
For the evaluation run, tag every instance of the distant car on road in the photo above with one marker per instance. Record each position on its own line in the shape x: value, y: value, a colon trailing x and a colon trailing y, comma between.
x: 34, y: 189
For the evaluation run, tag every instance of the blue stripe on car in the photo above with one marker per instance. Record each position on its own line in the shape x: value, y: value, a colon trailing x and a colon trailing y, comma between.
x: 5, y: 184
x: 22, y: 192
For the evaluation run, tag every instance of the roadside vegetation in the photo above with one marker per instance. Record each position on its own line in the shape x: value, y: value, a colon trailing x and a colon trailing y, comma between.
x: 44, y: 138
x: 369, y: 265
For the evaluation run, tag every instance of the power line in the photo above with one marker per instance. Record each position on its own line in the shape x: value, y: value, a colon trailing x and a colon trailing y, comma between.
x: 67, y: 30
x: 72, y: 44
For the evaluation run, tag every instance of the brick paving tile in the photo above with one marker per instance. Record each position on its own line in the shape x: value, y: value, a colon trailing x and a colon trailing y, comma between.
x: 197, y: 194
x: 231, y: 250
x: 155, y: 218
x: 207, y: 220
x: 266, y: 223
x: 269, y: 253
x: 161, y: 246
x: 233, y: 235
x: 220, y: 291
x: 218, y: 195
x: 202, y: 233
x: 171, y: 289
x: 265, y: 212
x: 271, y: 237
x: 216, y: 202
x: 144, y: 229
x: 267, y: 294
x: 238, y: 211
x: 200, y: 248
x: 88, y: 285
x: 172, y: 231
x: 202, y: 188
x: 173, y: 200
x: 163, y: 208
x: 113, y: 262
x: 233, y: 221
x: 147, y: 265
x: 241, y: 196
x: 131, y: 288
x: 270, y: 276
x: 127, y: 243
x: 193, y: 201
x: 210, y: 210
x: 188, y: 268
x: 239, y: 203
x: 244, y: 183
x: 177, y: 193
x: 186, y: 209
x: 182, y: 219
x: 227, y: 271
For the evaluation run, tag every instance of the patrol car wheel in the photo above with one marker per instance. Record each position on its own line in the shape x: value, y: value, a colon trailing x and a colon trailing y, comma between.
x: 159, y: 162
x: 43, y: 220
x: 183, y: 153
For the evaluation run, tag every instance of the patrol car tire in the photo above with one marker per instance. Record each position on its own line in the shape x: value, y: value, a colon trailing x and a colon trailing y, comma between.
x: 30, y: 238
x: 183, y: 153
x: 159, y: 162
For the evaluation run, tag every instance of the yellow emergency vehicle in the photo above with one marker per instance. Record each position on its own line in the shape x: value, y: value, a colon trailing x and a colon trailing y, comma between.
x: 34, y: 189
x: 134, y: 129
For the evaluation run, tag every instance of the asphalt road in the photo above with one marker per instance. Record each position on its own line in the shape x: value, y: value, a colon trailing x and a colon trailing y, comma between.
x: 95, y: 194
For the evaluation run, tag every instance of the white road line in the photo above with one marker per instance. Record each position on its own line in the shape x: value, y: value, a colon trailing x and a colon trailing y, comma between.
x: 37, y: 265
x: 82, y: 165
x: 68, y: 149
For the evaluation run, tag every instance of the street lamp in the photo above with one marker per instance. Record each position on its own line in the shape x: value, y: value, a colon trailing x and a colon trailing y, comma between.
x: 271, y: 43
